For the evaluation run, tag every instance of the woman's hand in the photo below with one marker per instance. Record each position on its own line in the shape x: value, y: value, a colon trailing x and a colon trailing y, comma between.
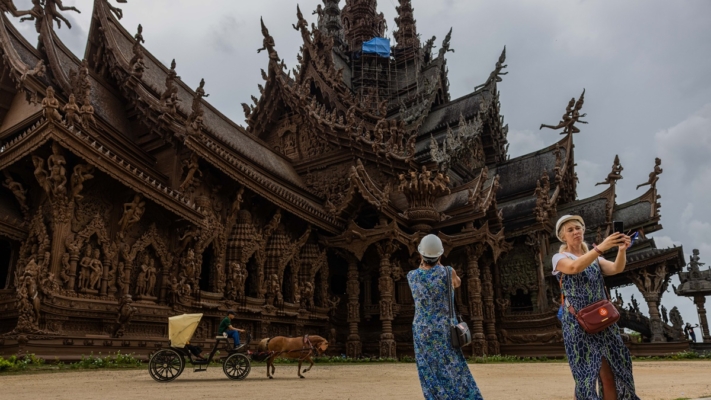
x: 626, y: 244
x: 616, y: 239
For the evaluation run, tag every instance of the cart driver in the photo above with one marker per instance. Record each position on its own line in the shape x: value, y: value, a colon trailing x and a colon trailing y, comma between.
x: 227, y: 329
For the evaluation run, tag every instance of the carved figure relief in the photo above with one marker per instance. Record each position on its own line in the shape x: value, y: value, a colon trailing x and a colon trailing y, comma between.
x: 132, y: 212
x: 50, y: 105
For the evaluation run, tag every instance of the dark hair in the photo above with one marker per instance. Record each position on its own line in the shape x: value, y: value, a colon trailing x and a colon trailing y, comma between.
x: 430, y: 261
x: 233, y: 312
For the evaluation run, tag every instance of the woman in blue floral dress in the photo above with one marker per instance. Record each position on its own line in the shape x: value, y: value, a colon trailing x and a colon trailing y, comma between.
x: 600, y: 362
x: 444, y: 373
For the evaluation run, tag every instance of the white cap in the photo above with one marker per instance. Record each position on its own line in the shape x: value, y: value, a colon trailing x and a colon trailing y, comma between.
x: 565, y: 219
x: 430, y: 247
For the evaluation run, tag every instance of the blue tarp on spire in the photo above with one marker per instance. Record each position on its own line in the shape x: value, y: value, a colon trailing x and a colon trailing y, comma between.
x: 379, y: 46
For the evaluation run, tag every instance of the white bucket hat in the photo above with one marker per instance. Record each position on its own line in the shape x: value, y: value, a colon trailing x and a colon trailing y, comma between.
x: 430, y: 247
x: 565, y: 219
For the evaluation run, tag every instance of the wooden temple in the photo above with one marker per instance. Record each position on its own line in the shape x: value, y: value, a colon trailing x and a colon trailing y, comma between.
x: 128, y: 198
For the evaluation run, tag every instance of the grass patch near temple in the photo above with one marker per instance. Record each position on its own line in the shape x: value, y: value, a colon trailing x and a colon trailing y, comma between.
x: 31, y: 363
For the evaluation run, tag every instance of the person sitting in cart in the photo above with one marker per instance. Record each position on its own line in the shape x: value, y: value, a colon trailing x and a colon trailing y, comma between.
x: 227, y: 328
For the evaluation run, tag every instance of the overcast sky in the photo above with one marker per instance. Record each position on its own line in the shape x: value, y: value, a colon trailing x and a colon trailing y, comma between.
x: 645, y: 65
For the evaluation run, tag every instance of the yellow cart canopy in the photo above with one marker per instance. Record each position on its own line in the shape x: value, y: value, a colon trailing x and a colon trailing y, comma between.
x: 181, y: 328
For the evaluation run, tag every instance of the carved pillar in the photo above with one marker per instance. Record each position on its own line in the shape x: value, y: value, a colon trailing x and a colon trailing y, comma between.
x: 62, y: 212
x: 386, y: 286
x: 699, y: 301
x: 652, y: 286
x: 353, y: 344
x: 475, y: 303
x: 652, y: 300
x: 73, y: 259
x: 487, y: 295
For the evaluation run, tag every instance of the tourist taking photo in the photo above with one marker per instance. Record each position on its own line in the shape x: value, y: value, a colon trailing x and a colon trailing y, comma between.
x: 593, y: 357
x: 442, y: 368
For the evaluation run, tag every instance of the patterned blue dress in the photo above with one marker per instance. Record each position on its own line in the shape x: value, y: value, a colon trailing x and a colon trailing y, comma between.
x: 585, y: 351
x: 443, y: 371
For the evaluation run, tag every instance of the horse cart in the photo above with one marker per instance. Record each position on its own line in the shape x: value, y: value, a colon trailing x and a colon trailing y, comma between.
x: 168, y: 363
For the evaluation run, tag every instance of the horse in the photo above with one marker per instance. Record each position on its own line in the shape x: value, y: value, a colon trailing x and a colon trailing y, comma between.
x: 301, y: 348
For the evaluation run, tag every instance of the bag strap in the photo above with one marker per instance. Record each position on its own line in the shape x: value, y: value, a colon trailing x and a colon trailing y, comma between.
x: 449, y: 293
x: 570, y: 307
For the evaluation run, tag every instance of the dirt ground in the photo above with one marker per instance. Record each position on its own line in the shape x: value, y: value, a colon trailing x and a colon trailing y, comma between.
x: 654, y: 380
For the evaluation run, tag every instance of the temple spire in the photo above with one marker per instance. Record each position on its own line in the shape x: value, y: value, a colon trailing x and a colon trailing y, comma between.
x: 406, y: 34
x: 329, y: 21
x: 362, y: 22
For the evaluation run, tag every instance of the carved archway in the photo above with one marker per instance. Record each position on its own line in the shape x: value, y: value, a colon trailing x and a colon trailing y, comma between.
x: 153, y: 239
x: 74, y: 246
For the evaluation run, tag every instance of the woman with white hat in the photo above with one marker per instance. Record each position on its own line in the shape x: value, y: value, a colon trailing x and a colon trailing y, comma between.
x: 443, y: 371
x: 600, y: 357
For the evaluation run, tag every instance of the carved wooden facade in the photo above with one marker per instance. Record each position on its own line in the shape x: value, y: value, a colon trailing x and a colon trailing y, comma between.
x: 130, y: 198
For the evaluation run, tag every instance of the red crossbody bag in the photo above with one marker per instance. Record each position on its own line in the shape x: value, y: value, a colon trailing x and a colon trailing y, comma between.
x: 595, y: 317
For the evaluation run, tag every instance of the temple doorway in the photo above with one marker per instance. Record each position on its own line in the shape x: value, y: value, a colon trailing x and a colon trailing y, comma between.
x: 208, y: 257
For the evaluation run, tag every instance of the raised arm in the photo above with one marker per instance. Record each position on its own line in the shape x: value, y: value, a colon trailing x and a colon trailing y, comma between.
x: 572, y: 267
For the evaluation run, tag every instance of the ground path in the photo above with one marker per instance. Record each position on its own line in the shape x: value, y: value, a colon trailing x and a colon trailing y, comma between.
x: 654, y: 380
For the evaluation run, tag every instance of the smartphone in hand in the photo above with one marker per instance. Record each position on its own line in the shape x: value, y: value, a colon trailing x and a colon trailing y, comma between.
x: 618, y: 226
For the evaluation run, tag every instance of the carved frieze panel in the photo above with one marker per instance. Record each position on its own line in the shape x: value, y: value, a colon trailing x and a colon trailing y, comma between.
x: 518, y: 271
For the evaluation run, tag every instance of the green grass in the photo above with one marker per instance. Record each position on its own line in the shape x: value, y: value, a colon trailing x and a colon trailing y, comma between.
x: 31, y: 363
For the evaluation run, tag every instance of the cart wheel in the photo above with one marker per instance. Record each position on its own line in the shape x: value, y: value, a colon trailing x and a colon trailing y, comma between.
x: 237, y: 366
x: 166, y: 365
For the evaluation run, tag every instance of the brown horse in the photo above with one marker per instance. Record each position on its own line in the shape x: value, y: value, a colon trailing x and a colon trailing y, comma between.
x: 301, y: 348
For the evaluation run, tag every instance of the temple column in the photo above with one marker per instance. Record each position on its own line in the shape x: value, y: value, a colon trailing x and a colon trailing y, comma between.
x: 386, y: 286
x: 475, y: 303
x: 487, y: 295
x: 699, y: 301
x: 655, y: 318
x: 353, y: 344
x: 652, y: 285
x: 62, y: 212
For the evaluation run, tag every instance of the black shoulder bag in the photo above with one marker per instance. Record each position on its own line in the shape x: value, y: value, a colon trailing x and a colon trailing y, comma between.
x: 460, y: 333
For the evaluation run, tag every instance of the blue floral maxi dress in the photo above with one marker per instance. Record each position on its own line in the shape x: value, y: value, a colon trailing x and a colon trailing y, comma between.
x: 585, y: 351
x: 443, y: 371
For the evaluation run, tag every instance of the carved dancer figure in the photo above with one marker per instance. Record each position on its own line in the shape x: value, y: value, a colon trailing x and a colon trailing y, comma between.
x: 132, y: 212
x: 9, y: 7
x: 307, y: 295
x: 192, y: 165
x: 82, y: 172
x: 31, y: 282
x: 57, y: 172
x: 615, y: 174
x: 142, y: 279
x: 570, y: 118
x: 151, y: 278
x: 117, y: 11
x: 268, y: 43
x: 16, y: 189
x: 50, y: 105
x: 50, y: 10
x: 654, y: 175
x: 85, y: 264
x: 495, y: 76
x: 97, y: 269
